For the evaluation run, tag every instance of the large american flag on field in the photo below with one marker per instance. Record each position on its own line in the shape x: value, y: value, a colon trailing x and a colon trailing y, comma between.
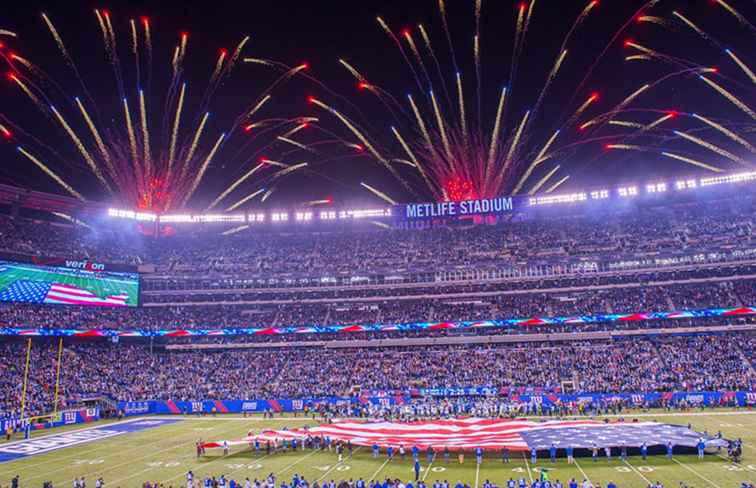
x: 31, y: 291
x: 491, y: 434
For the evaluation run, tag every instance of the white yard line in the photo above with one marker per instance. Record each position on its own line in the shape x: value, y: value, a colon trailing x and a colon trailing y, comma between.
x: 379, y: 469
x: 427, y: 470
x: 81, y: 455
x: 527, y: 465
x: 334, y: 467
x: 477, y: 473
x: 577, y: 465
x: 696, y: 473
x: 152, y: 455
x: 638, y: 472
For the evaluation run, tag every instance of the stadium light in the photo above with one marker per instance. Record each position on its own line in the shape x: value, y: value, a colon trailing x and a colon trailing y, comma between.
x: 628, y: 191
x: 362, y: 214
x: 328, y: 215
x: 556, y: 199
x: 736, y: 178
x: 656, y: 188
x: 599, y: 194
x: 279, y: 217
x: 303, y: 216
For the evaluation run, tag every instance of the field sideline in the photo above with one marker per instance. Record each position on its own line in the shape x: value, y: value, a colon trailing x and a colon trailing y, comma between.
x: 167, y: 452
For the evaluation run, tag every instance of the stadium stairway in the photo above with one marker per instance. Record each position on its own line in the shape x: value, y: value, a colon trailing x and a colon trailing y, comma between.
x: 744, y: 357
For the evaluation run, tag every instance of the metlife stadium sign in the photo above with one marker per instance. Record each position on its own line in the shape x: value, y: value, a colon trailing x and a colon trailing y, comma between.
x: 453, y: 210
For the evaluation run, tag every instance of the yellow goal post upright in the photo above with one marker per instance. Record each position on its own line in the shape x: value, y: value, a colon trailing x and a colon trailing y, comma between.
x: 50, y: 417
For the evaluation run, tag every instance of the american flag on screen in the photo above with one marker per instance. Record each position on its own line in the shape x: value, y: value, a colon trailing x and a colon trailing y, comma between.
x: 43, y: 292
x: 491, y: 434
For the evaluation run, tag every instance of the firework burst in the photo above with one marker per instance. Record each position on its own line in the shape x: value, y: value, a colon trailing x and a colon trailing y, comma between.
x: 458, y: 152
x: 143, y: 157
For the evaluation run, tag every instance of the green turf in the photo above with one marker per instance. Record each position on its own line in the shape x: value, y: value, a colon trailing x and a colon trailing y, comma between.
x: 102, y: 287
x: 166, y: 453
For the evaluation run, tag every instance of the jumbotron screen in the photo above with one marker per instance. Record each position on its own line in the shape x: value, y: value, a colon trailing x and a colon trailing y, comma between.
x: 89, y: 284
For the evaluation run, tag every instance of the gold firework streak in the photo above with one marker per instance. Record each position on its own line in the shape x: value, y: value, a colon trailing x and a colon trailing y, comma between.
x: 742, y: 65
x: 352, y: 128
x: 353, y: 71
x: 176, y: 124
x: 130, y: 132
x: 543, y: 180
x: 288, y: 170
x: 658, y: 121
x: 441, y: 127
x: 414, y: 159
x: 203, y: 168
x: 218, y: 66
x: 711, y: 147
x: 735, y: 13
x: 234, y: 185
x: 378, y: 193
x: 557, y: 184
x: 245, y: 199
x: 495, y: 133
x: 34, y: 98
x: 638, y: 57
x: 50, y: 173
x: 626, y: 123
x: 23, y: 61
x: 515, y: 144
x: 5, y: 32
x: 726, y: 132
x: 237, y: 53
x: 541, y: 157
x: 293, y: 143
x: 690, y: 24
x: 83, y: 150
x: 134, y: 43
x: 420, y: 122
x: 259, y: 105
x: 627, y: 147
x: 195, y: 139
x: 145, y: 134
x: 729, y: 96
x: 692, y: 161
x: 425, y: 37
x: 264, y: 62
x: 96, y: 135
x: 461, y: 99
x: 56, y: 36
x: 267, y: 194
x: 274, y: 163
x: 295, y: 130
x: 652, y: 19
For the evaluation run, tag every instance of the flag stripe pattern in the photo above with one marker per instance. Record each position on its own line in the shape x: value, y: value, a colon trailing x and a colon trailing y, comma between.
x: 31, y: 291
x: 489, y: 434
x: 72, y: 295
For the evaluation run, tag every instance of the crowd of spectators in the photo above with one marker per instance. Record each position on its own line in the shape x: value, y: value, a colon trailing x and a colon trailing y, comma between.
x: 134, y: 372
x: 389, y: 308
x: 708, y: 226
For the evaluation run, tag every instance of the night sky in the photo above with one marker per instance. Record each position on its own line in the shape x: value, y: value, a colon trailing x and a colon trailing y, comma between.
x: 295, y: 31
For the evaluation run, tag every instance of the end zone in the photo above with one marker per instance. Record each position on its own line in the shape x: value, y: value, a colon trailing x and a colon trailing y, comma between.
x: 39, y: 445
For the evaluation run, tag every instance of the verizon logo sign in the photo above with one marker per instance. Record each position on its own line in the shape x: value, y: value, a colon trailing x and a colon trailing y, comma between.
x: 85, y: 265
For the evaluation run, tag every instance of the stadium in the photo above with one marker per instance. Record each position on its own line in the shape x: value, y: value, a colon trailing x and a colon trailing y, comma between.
x: 307, y: 299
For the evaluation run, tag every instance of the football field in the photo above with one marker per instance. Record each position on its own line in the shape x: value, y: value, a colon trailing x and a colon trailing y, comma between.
x: 162, y: 449
x: 104, y: 286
